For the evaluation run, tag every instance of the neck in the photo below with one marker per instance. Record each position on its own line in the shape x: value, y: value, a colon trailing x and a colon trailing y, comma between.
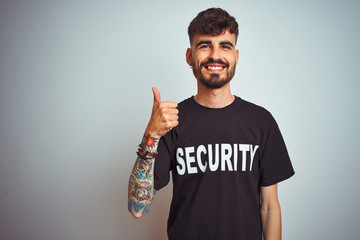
x: 214, y: 98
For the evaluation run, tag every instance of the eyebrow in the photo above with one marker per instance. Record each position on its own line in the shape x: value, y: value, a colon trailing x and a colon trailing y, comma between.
x: 226, y: 43
x: 209, y: 42
x: 203, y: 42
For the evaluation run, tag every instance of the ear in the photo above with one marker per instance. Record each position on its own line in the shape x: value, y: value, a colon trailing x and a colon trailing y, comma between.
x: 189, y: 56
x: 237, y: 56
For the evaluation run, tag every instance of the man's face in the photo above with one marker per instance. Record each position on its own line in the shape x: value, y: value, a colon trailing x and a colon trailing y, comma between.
x: 213, y: 59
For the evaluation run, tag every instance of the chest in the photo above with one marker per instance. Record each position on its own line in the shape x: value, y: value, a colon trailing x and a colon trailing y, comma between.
x: 225, y: 143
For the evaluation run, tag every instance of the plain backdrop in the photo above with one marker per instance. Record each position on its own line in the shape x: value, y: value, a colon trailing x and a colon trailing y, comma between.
x: 75, y: 98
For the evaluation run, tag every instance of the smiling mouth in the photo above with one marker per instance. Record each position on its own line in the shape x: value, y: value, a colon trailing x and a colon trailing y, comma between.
x: 215, y: 67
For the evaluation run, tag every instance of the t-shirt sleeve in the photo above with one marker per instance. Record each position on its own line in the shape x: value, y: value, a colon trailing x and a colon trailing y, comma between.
x: 163, y: 163
x: 275, y: 164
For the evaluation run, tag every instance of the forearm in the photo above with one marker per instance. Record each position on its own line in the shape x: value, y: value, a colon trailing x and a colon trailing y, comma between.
x: 141, y: 183
x: 271, y: 222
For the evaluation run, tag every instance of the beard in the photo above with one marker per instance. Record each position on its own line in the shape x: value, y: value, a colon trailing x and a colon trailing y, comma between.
x: 214, y: 81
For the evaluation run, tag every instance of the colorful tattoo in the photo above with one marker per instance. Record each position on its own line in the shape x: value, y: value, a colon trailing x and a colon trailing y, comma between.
x: 137, y: 207
x: 149, y: 143
x: 141, y: 184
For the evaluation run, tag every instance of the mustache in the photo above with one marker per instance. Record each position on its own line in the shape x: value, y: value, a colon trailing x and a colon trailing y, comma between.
x: 214, y: 61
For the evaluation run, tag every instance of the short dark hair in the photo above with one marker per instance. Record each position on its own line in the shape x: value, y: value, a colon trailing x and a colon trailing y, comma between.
x: 213, y: 21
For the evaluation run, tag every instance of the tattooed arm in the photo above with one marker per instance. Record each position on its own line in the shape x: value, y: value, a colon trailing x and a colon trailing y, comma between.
x: 141, y: 184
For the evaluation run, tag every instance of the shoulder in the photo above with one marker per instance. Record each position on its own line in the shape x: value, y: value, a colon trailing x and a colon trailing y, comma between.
x: 253, y: 110
x: 186, y: 107
x: 186, y: 103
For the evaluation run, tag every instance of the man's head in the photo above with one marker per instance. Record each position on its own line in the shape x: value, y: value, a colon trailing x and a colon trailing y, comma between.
x: 213, y: 57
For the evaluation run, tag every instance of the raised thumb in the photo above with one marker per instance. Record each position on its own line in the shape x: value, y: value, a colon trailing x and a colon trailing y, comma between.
x: 156, y: 95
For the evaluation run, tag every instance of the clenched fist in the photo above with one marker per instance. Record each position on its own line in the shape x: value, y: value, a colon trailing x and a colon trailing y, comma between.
x: 164, y: 116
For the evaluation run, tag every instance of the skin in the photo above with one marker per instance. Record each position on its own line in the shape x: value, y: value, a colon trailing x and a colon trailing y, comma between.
x: 270, y: 213
x: 204, y: 49
x: 222, y: 48
x: 141, y: 190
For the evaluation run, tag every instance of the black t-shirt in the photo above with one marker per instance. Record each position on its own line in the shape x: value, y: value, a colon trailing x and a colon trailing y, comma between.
x: 219, y: 158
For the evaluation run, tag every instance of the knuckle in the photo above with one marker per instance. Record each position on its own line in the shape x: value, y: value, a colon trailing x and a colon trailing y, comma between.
x: 164, y: 116
x: 164, y: 109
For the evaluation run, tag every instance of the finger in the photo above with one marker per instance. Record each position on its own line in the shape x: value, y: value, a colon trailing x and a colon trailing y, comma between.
x: 156, y: 95
x: 173, y: 118
x: 168, y: 119
x: 169, y: 104
x: 174, y: 123
x: 172, y: 111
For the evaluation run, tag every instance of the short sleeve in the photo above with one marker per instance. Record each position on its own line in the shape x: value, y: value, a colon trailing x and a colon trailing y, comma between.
x: 163, y: 163
x: 275, y: 164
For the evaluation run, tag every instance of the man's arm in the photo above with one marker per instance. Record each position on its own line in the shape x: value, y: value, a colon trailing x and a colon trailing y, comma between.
x: 270, y: 213
x: 141, y: 183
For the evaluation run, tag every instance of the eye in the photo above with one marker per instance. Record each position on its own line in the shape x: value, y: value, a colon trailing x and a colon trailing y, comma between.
x: 226, y: 47
x: 204, y: 46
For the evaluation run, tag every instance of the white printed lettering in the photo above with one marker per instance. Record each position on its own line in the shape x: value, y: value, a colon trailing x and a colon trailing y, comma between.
x: 213, y: 166
x: 201, y: 149
x: 244, y: 148
x: 190, y: 159
x: 226, y: 154
x: 180, y: 160
x: 252, y: 154
x: 235, y: 156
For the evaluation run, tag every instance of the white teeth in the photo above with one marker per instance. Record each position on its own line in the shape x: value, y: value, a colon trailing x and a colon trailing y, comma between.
x: 215, y: 68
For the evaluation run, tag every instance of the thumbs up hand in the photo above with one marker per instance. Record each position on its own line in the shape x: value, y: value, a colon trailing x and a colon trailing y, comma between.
x: 164, y: 116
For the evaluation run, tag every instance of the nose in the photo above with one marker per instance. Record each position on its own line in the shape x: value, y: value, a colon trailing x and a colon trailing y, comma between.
x: 214, y: 54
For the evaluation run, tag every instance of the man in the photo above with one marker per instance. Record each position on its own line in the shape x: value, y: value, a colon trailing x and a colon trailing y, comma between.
x: 226, y: 154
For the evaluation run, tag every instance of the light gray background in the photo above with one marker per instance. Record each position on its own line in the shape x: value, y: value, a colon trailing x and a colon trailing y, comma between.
x: 75, y: 97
